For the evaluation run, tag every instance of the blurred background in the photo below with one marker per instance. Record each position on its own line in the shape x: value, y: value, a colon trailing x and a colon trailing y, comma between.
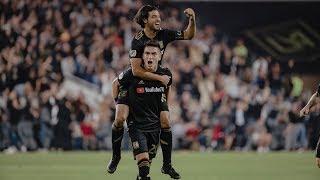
x: 238, y: 85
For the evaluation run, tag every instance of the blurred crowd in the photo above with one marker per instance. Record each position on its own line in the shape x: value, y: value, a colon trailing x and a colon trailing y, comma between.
x: 223, y: 97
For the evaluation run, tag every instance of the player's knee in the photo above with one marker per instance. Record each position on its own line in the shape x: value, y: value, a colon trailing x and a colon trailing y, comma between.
x: 116, y: 126
x: 142, y: 156
x: 164, y: 120
x: 165, y: 125
x: 121, y: 114
x: 119, y: 121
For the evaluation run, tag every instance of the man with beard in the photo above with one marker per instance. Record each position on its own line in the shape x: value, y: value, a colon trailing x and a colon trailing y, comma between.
x: 148, y: 17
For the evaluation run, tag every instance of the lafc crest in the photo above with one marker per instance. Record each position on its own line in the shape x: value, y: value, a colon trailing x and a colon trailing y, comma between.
x: 122, y: 93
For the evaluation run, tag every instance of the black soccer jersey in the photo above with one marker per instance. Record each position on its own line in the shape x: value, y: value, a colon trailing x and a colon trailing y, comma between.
x: 145, y: 99
x: 164, y: 37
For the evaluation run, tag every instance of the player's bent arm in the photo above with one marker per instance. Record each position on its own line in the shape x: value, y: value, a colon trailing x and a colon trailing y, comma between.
x: 138, y: 71
x: 312, y: 100
x: 306, y: 109
x: 115, y: 88
x: 190, y: 31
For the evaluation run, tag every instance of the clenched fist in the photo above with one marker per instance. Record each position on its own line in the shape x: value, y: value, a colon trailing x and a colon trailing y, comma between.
x: 190, y: 13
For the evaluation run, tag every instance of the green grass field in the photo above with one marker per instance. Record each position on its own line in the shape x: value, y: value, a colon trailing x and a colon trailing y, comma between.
x: 193, y: 166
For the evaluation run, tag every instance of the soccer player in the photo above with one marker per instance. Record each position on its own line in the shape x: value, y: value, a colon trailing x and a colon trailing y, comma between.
x: 313, y: 105
x: 148, y: 17
x: 145, y: 100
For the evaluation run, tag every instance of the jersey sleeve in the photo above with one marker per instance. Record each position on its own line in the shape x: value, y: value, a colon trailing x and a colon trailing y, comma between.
x: 125, y: 78
x: 172, y: 35
x: 136, y: 49
x: 167, y: 72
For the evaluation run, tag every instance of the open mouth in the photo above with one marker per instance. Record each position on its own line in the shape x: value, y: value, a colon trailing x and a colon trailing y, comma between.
x: 157, y: 24
x: 149, y: 62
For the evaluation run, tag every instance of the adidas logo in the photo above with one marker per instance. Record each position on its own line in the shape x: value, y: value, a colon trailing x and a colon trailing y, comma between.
x: 141, y: 82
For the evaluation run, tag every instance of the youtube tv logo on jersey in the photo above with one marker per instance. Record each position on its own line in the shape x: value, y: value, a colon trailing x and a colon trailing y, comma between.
x: 140, y: 90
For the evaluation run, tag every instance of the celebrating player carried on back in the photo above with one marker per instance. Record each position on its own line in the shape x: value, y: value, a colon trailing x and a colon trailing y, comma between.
x: 148, y: 17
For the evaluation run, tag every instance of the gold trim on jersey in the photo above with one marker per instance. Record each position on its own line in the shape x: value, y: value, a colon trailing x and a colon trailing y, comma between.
x: 138, y: 35
x: 163, y: 142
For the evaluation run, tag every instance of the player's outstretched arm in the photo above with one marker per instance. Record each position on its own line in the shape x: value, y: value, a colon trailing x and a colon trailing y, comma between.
x: 306, y: 109
x: 138, y: 71
x: 190, y: 31
x: 312, y: 103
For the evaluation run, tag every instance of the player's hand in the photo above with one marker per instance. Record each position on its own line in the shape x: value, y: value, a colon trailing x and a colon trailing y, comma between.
x: 189, y: 13
x: 318, y: 162
x: 165, y: 80
x: 304, y: 111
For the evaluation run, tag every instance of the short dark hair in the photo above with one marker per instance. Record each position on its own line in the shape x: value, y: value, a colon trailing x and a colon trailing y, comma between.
x: 143, y: 14
x: 152, y: 43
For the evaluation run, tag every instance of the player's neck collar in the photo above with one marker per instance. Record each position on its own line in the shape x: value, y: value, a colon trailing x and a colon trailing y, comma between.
x: 155, y: 34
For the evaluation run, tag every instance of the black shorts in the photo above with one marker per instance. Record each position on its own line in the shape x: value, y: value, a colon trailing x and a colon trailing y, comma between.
x: 144, y: 142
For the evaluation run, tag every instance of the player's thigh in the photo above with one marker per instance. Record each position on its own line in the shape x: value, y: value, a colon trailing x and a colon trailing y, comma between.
x: 165, y: 119
x: 153, y: 139
x: 138, y: 141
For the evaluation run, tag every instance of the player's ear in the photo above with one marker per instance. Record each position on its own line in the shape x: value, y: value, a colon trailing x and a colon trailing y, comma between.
x: 145, y: 21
